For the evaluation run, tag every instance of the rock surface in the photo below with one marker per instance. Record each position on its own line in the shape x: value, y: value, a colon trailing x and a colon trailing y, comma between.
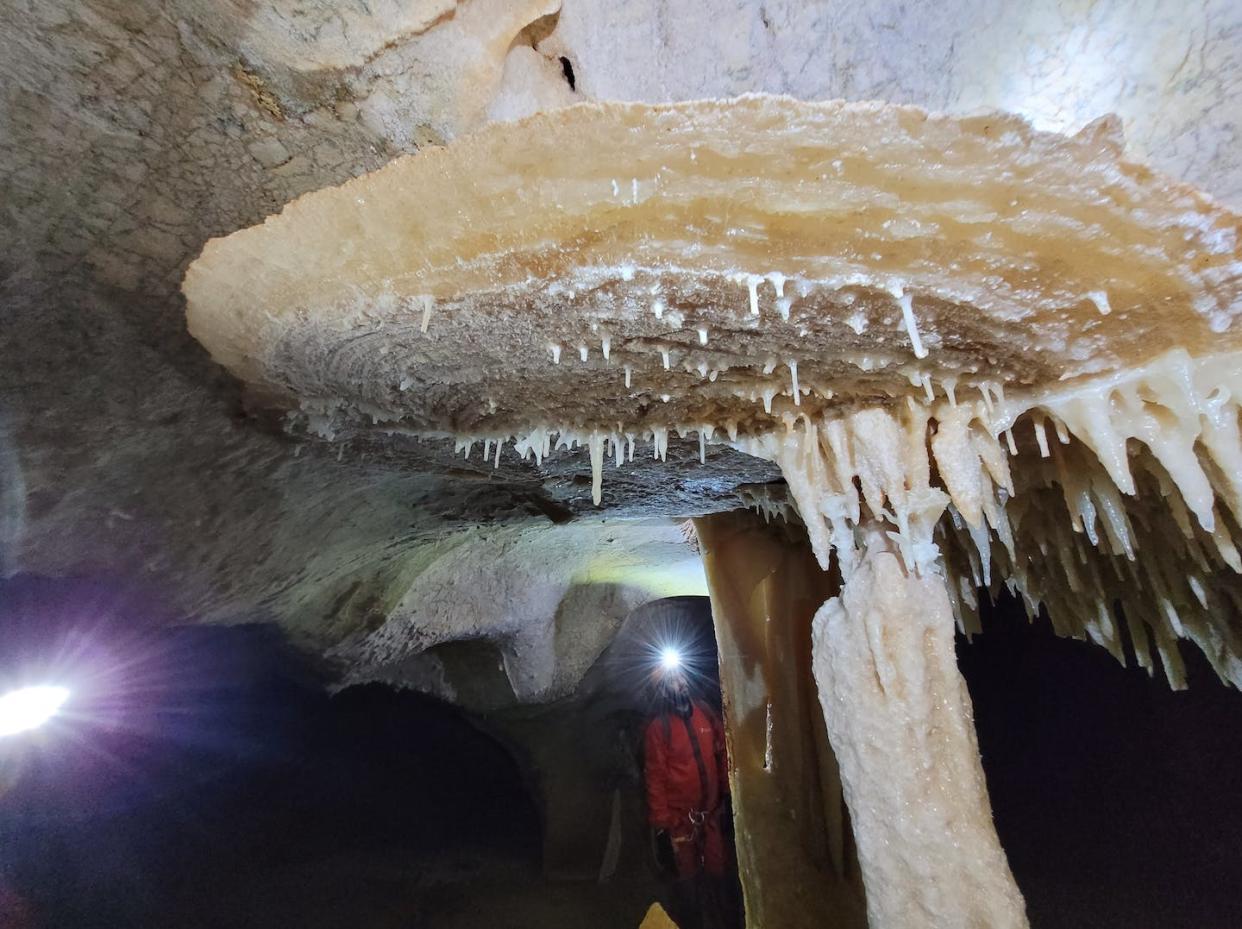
x: 131, y: 132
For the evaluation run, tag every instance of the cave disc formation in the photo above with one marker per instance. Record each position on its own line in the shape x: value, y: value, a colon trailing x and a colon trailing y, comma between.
x: 981, y: 356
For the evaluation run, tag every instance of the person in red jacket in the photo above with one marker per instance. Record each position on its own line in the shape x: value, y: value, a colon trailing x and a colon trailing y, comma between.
x: 687, y: 779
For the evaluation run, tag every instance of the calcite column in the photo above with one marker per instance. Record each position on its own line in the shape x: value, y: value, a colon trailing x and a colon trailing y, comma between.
x: 900, y: 722
x: 795, y: 857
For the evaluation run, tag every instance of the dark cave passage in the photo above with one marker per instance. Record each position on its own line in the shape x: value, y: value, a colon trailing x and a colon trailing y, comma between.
x: 222, y: 786
x: 398, y: 808
x: 1118, y: 800
x: 207, y: 779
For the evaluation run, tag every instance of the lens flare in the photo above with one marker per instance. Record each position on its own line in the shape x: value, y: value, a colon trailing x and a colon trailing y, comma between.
x: 29, y: 708
x: 670, y: 659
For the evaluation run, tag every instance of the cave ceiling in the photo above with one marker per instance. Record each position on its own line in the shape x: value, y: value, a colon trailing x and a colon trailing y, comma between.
x: 133, y: 131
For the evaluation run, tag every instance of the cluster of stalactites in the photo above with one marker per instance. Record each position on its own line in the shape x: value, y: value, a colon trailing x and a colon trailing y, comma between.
x: 1124, y: 489
x: 1168, y: 576
x: 1134, y: 503
x: 616, y: 444
x: 872, y: 457
x: 771, y: 501
x: 1133, y: 500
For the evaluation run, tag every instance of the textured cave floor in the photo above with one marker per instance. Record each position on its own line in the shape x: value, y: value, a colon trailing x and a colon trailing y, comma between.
x: 395, y: 889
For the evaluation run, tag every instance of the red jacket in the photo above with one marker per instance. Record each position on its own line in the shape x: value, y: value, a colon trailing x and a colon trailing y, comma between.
x: 677, y: 780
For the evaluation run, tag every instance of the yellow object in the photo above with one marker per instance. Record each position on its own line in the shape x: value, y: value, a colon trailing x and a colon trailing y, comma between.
x: 656, y: 918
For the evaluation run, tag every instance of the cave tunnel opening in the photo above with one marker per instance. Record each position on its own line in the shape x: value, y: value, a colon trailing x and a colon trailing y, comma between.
x: 590, y: 755
x: 206, y: 776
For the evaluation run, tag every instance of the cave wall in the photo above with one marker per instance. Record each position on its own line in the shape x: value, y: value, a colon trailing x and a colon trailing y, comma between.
x: 548, y: 598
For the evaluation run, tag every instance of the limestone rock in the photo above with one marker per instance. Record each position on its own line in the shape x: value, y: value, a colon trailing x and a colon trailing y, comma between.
x: 126, y: 136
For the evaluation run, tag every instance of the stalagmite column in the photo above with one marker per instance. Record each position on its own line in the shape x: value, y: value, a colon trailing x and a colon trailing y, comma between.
x: 795, y: 858
x: 900, y: 721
